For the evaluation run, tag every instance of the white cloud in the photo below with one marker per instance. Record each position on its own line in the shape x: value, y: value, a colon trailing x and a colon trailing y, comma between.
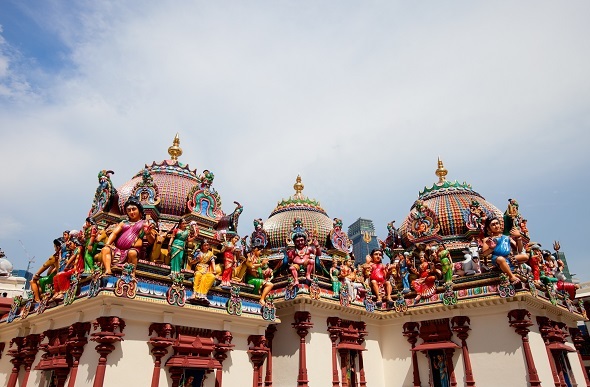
x: 358, y: 99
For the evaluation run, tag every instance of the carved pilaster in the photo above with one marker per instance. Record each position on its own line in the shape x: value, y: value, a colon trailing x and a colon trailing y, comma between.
x: 17, y: 360
x: 258, y: 352
x: 579, y: 341
x: 29, y: 349
x: 160, y: 344
x: 460, y: 325
x: 411, y: 333
x: 520, y: 320
x: 302, y: 325
x: 111, y: 332
x: 270, y: 334
x: 77, y: 340
x: 334, y: 331
x: 223, y: 346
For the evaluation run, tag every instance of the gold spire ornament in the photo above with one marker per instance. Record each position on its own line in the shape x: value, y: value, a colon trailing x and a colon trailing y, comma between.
x: 175, y: 150
x: 298, y: 186
x: 441, y: 172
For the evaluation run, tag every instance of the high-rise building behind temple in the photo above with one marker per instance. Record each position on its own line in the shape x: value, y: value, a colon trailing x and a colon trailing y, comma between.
x: 356, y: 233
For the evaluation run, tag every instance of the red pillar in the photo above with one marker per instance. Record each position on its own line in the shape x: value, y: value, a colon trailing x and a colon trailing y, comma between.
x: 461, y: 328
x: 29, y: 351
x: 160, y: 344
x: 343, y: 365
x: 258, y: 353
x: 223, y: 346
x: 108, y: 335
x: 334, y: 331
x: 17, y: 359
x: 270, y: 334
x: 411, y: 334
x: 76, y: 342
x: 520, y: 320
x: 302, y: 324
x: 578, y: 340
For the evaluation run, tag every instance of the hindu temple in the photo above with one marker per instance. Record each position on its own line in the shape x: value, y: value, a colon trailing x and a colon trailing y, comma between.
x: 165, y: 285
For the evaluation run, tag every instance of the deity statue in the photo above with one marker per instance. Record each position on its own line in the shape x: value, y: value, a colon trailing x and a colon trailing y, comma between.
x: 302, y: 254
x: 380, y: 276
x: 105, y: 192
x: 231, y: 253
x: 90, y: 244
x: 259, y: 237
x: 126, y: 241
x: 334, y: 274
x: 203, y: 264
x: 447, y: 265
x: 258, y: 274
x: 74, y: 265
x: 506, y: 250
x: 181, y: 234
x: 425, y: 284
x: 39, y: 283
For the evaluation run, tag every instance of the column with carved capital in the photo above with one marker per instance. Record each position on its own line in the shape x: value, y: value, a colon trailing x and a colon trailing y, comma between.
x: 17, y: 359
x: 461, y: 328
x: 223, y: 346
x: 302, y: 325
x: 362, y: 332
x: 578, y: 340
x: 411, y: 333
x: 520, y: 320
x: 334, y: 331
x: 160, y: 344
x: 258, y: 353
x: 29, y: 350
x: 76, y: 342
x: 111, y: 331
x: 270, y: 334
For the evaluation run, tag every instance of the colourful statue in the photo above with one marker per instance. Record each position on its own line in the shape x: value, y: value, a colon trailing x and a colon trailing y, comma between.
x: 302, y: 255
x: 90, y: 244
x: 203, y: 264
x: 181, y: 234
x: 447, y: 265
x: 126, y: 241
x: 105, y: 192
x: 258, y: 274
x: 404, y: 265
x: 379, y: 276
x: 505, y: 249
x: 425, y: 284
x: 229, y: 250
x: 74, y: 265
x: 39, y: 283
x: 334, y: 274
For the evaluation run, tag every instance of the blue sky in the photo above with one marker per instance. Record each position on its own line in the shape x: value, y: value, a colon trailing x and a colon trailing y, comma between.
x: 358, y: 98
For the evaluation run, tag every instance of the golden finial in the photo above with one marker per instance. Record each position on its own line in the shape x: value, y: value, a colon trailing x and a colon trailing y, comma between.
x: 441, y: 172
x: 298, y: 186
x: 175, y: 150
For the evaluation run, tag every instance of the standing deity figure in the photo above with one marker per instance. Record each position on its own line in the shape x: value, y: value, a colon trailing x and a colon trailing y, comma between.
x: 379, y: 276
x: 230, y: 252
x: 90, y: 244
x: 303, y: 254
x: 446, y: 264
x: 74, y: 265
x: 203, y: 264
x: 181, y: 235
x: 404, y: 265
x: 334, y: 274
x: 126, y: 241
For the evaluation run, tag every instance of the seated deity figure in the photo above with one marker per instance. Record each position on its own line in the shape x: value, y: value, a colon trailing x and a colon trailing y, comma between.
x: 506, y: 250
x: 380, y: 276
x: 39, y: 283
x: 203, y: 264
x: 302, y: 254
x: 126, y: 241
x: 258, y: 274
